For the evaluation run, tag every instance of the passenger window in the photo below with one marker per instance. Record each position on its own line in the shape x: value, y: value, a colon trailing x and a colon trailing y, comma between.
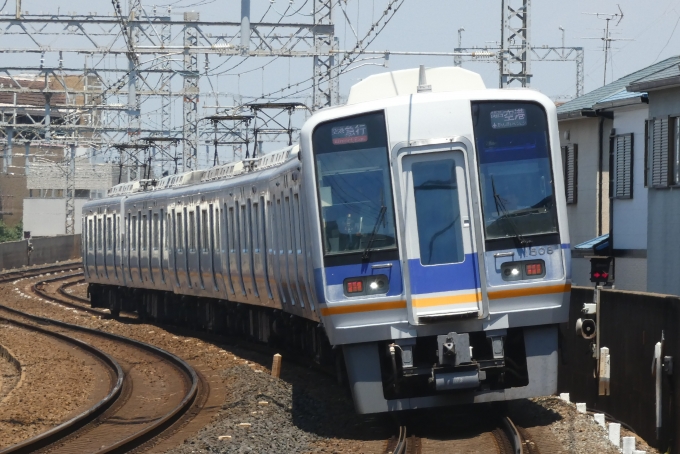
x: 298, y: 222
x: 90, y: 235
x: 256, y: 228
x: 180, y: 233
x: 232, y: 233
x: 217, y: 229
x: 192, y: 231
x: 243, y: 235
x: 99, y: 234
x: 435, y: 191
x: 108, y: 233
x: 205, y: 236
x: 167, y: 237
x: 156, y: 233
x: 134, y: 233
x: 144, y: 232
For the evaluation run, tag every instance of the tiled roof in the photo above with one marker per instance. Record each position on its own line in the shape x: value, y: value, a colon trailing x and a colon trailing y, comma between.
x: 586, y: 102
x: 666, y: 76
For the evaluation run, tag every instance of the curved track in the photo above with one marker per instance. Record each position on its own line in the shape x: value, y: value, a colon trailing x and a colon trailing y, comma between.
x: 157, y: 389
x: 72, y: 425
x: 503, y: 438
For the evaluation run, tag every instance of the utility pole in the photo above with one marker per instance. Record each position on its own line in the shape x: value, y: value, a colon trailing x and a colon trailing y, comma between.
x: 515, y: 58
x: 191, y: 92
x: 325, y: 83
x: 606, y: 38
x: 458, y: 60
x: 70, y: 189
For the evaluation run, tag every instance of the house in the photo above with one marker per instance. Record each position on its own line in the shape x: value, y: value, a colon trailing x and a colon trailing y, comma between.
x: 662, y: 176
x: 601, y: 131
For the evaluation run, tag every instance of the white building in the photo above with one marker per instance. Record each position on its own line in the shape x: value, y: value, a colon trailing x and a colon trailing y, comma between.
x: 45, y: 209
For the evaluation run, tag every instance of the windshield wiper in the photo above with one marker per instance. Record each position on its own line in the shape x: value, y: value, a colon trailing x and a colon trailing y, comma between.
x: 381, y: 215
x: 500, y: 208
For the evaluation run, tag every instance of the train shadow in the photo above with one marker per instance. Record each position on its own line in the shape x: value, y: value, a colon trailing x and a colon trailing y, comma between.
x: 318, y: 405
x: 528, y: 413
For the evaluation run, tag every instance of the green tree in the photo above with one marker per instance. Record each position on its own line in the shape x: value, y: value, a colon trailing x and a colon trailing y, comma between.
x: 11, y: 233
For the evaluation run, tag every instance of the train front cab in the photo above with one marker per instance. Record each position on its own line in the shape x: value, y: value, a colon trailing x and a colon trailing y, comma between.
x: 485, y: 277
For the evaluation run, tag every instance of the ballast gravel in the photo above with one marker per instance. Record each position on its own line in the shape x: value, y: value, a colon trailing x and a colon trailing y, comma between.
x: 304, y: 411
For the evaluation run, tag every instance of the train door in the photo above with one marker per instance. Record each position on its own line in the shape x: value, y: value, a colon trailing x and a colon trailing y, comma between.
x: 99, y: 250
x: 144, y: 247
x: 108, y: 246
x: 216, y: 239
x: 203, y: 213
x: 162, y: 247
x: 259, y: 251
x: 296, y: 247
x: 272, y: 252
x: 155, y: 246
x: 443, y: 274
x: 225, y: 242
x: 89, y: 246
x: 175, y: 243
x: 136, y: 246
x: 247, y: 249
x: 235, y: 250
x: 115, y: 239
x: 284, y: 250
x: 305, y: 259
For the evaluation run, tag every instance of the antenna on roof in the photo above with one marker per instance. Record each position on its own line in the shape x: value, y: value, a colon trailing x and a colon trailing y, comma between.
x: 607, y: 39
x: 423, y: 87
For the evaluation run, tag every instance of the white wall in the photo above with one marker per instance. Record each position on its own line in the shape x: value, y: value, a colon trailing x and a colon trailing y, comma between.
x: 583, y: 215
x: 630, y: 215
x: 47, y: 217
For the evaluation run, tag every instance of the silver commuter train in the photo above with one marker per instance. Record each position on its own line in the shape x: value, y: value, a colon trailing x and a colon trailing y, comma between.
x: 421, y: 228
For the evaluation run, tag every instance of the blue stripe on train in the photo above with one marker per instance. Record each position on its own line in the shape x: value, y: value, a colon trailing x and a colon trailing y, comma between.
x: 443, y: 278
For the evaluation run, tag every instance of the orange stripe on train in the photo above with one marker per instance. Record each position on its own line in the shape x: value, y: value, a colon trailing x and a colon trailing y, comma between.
x: 531, y: 291
x: 338, y: 310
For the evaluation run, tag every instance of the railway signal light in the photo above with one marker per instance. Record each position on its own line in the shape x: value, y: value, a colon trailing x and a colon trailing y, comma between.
x: 600, y: 270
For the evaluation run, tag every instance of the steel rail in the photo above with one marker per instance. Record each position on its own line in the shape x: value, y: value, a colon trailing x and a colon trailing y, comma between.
x: 161, y: 424
x: 400, y: 448
x: 32, y: 272
x: 72, y: 425
x: 513, y: 434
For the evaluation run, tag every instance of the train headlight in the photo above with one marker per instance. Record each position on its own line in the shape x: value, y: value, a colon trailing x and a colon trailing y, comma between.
x: 366, y: 285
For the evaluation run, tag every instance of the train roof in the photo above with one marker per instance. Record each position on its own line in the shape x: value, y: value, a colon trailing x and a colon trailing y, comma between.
x: 410, y: 81
x: 221, y: 172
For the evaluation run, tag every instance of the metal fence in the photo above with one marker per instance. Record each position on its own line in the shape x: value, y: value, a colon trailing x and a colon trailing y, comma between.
x: 631, y: 323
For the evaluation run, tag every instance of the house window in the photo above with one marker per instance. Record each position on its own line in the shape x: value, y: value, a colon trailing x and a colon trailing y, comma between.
x: 675, y: 147
x: 571, y: 172
x: 623, y: 160
x: 657, y: 153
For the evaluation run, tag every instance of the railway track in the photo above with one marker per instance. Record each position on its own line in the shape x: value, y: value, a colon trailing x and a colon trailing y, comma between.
x: 502, y: 438
x: 157, y: 390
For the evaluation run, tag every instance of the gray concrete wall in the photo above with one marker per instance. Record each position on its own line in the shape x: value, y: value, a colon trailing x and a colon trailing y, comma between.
x: 16, y: 254
x: 663, y: 221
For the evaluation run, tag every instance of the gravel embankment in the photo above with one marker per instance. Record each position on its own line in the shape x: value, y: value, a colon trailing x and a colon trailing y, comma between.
x: 59, y: 381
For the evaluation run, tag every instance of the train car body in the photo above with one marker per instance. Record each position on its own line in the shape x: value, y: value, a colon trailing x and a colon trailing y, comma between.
x: 420, y: 230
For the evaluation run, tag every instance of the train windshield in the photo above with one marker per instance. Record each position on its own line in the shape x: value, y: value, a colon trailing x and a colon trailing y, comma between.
x: 513, y: 152
x: 354, y: 186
